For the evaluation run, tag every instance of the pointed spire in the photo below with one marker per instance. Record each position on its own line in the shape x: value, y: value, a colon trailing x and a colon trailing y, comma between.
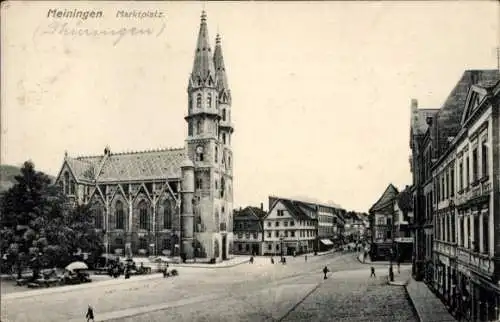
x: 203, y: 64
x: 220, y: 69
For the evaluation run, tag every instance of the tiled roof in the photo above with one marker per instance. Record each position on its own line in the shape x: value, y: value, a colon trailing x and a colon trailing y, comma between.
x: 389, y: 194
x: 148, y: 165
x: 449, y: 116
x: 250, y: 212
x: 85, y: 168
x: 405, y: 200
x: 420, y: 121
x: 295, y: 209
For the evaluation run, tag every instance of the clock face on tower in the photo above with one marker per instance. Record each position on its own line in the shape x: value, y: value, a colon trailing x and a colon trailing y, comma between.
x: 199, y: 149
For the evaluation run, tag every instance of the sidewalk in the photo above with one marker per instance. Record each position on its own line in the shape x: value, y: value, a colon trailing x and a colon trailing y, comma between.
x: 368, y: 261
x: 428, y: 307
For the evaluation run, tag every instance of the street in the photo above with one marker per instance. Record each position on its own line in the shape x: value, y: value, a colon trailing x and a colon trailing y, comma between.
x: 248, y: 292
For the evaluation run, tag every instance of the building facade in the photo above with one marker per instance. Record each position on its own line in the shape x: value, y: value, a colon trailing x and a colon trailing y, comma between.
x: 289, y: 228
x: 423, y: 152
x: 466, y: 209
x: 382, y: 224
x: 403, y: 216
x: 248, y: 230
x: 174, y: 201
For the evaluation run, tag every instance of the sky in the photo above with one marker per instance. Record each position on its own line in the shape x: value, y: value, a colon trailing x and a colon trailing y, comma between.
x: 321, y: 90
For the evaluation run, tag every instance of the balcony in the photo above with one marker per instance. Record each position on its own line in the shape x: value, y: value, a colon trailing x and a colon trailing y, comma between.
x: 445, y: 248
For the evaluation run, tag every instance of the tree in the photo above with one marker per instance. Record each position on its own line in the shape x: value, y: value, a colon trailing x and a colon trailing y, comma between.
x: 38, y: 226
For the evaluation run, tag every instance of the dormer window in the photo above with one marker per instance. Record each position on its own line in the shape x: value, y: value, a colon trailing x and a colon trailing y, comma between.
x: 198, y: 101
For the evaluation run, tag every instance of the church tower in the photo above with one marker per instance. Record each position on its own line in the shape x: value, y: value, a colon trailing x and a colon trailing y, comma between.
x: 208, y: 147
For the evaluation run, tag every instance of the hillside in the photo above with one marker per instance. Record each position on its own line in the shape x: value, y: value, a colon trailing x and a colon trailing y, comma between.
x: 7, y: 174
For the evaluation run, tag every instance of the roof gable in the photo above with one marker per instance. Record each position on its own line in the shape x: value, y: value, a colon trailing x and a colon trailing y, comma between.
x: 389, y: 194
x: 477, y: 95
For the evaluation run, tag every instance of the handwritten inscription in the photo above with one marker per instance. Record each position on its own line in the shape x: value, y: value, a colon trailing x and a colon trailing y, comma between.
x: 78, y: 30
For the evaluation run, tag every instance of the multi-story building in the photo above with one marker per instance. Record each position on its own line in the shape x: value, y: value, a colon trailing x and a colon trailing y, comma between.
x: 288, y: 228
x: 248, y: 230
x: 403, y: 216
x: 381, y: 217
x: 423, y: 152
x: 174, y: 201
x: 467, y: 205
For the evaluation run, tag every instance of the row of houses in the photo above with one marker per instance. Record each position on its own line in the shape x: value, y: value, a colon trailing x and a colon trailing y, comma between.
x: 455, y: 163
x: 292, y: 226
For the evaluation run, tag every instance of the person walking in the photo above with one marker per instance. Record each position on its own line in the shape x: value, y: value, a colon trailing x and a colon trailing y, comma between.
x: 373, y: 272
x: 305, y: 257
x: 272, y: 260
x: 90, y: 314
x: 325, y: 271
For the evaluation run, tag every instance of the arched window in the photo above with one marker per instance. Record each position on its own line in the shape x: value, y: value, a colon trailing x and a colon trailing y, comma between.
x: 216, y: 155
x: 209, y: 100
x: 61, y: 185
x: 229, y: 161
x: 217, y: 224
x: 223, y: 114
x: 120, y: 216
x: 224, y: 138
x: 198, y: 100
x: 71, y: 187
x: 66, y: 182
x: 199, y: 153
x: 199, y: 183
x: 222, y: 187
x: 143, y: 215
x: 190, y: 128
x: 98, y: 217
x: 167, y: 215
x: 199, y: 127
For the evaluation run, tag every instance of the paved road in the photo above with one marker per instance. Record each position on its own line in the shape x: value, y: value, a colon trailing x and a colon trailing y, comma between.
x: 249, y: 292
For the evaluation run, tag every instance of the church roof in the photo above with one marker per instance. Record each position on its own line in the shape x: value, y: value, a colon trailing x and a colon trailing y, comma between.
x: 147, y: 165
x: 220, y: 68
x: 203, y: 65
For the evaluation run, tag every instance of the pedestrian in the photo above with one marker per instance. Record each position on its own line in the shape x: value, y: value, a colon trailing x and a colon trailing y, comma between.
x: 251, y: 259
x: 399, y: 263
x: 90, y: 314
x: 272, y: 260
x: 305, y: 257
x: 325, y: 271
x: 373, y: 272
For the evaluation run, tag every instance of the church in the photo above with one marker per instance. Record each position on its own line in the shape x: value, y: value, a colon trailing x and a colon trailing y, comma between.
x: 168, y: 202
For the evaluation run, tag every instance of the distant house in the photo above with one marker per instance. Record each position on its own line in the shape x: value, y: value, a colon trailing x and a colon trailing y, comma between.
x: 248, y: 230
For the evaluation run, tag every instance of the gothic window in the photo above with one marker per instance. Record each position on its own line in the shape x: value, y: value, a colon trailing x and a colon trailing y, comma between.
x: 66, y: 183
x: 71, y: 187
x: 216, y: 184
x: 209, y: 100
x: 222, y: 187
x: 190, y: 128
x: 143, y: 215
x: 229, y: 161
x: 217, y: 129
x: 224, y: 138
x: 217, y: 225
x: 199, y: 81
x: 224, y: 114
x: 199, y: 153
x: 61, y: 185
x: 119, y: 213
x: 199, y: 127
x: 198, y: 100
x: 167, y: 215
x: 98, y: 218
x: 216, y: 154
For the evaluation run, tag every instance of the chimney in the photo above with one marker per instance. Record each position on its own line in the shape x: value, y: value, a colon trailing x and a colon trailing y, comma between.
x: 262, y: 206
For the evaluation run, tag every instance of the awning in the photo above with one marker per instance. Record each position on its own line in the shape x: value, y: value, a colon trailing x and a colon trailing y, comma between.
x: 326, y: 241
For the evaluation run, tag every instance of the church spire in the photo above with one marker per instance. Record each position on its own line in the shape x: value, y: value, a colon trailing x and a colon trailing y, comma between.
x: 220, y: 69
x: 203, y: 66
